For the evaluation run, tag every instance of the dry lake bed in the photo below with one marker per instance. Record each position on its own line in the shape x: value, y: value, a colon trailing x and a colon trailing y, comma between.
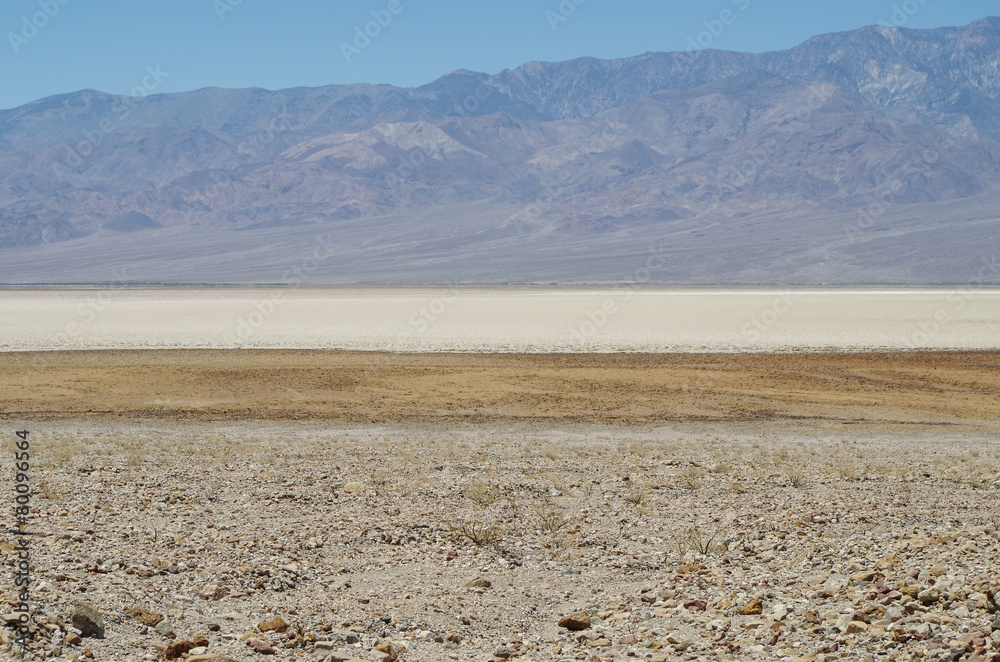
x: 624, y: 319
x: 543, y: 475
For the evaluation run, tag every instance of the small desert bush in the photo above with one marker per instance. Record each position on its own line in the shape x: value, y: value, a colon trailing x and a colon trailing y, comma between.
x: 550, y: 516
x: 796, y: 477
x: 701, y: 539
x: 635, y: 496
x: 480, y: 532
x: 480, y: 493
x: 691, y: 479
x: 845, y: 468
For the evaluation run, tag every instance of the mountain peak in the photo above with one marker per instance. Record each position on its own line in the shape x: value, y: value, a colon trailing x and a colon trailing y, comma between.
x: 496, y: 172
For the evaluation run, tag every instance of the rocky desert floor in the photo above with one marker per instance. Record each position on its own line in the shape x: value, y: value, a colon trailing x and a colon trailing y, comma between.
x: 338, y: 506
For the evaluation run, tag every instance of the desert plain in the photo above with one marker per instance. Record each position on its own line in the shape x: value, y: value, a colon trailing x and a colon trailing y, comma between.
x: 329, y: 505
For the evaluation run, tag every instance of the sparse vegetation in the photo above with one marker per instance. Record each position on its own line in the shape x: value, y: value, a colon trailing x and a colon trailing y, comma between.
x: 551, y: 518
x: 796, y: 477
x: 480, y: 493
x: 635, y: 496
x: 480, y: 532
x: 701, y: 539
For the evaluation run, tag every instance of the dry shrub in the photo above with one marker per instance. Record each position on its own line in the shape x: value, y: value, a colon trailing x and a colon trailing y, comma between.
x: 480, y: 494
x: 635, y: 496
x: 549, y: 515
x: 480, y: 532
x: 796, y: 477
x: 701, y: 539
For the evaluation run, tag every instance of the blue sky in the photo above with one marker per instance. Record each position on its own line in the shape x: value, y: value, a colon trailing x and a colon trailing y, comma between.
x: 56, y: 46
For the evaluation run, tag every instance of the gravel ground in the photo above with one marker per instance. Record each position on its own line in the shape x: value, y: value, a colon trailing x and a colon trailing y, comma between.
x: 703, y: 541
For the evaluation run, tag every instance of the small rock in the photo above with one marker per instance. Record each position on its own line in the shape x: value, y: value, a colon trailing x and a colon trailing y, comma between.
x: 696, y: 605
x: 575, y: 622
x: 177, y: 649
x: 144, y: 616
x: 835, y: 583
x: 856, y: 627
x: 258, y: 646
x: 87, y: 620
x: 73, y: 639
x: 212, y: 592
x: 888, y: 561
x: 165, y: 629
x: 629, y: 640
x: 929, y: 595
x: 355, y: 487
x: 753, y: 609
x: 11, y: 620
x: 344, y: 656
x: 276, y: 624
x: 386, y: 648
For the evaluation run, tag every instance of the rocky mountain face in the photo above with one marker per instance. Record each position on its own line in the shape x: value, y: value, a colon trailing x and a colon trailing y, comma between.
x: 809, y: 152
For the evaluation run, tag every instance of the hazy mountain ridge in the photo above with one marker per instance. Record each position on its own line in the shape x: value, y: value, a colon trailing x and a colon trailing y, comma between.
x: 585, y: 149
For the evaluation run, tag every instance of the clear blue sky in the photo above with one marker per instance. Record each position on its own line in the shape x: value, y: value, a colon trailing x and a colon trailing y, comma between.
x: 108, y: 44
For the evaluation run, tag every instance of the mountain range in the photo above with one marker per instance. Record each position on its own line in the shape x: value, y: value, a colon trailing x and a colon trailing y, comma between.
x: 870, y: 156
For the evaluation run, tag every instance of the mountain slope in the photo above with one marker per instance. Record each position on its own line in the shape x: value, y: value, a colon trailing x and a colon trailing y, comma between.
x: 788, y: 154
